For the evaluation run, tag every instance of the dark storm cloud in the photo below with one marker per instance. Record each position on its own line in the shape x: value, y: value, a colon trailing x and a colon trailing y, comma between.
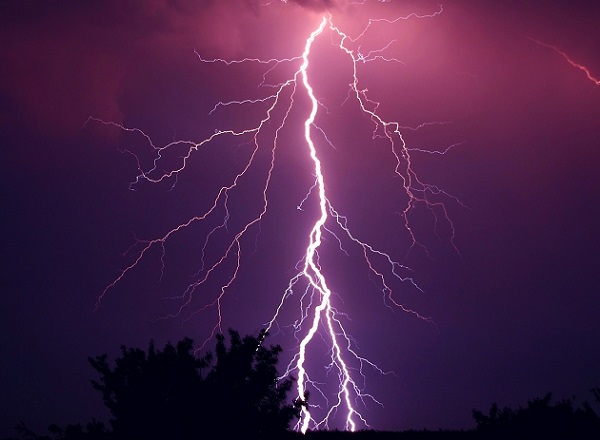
x: 54, y: 71
x: 63, y: 64
x: 66, y: 62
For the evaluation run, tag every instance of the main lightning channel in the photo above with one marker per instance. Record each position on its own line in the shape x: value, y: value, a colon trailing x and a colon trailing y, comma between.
x: 311, y: 269
x: 324, y: 314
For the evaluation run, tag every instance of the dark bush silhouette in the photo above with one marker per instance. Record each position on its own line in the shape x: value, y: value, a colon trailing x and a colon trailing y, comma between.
x: 540, y: 419
x: 173, y: 394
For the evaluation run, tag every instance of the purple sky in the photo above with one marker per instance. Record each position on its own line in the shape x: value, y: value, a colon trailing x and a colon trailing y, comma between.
x: 515, y: 309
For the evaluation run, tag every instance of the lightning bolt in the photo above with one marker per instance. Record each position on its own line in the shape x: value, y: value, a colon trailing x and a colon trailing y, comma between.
x: 319, y: 318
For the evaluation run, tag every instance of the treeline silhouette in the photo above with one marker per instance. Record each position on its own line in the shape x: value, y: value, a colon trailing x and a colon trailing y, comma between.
x: 235, y: 393
x: 541, y: 420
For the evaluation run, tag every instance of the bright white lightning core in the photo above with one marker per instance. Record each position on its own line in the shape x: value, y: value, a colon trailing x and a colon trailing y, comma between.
x: 318, y: 316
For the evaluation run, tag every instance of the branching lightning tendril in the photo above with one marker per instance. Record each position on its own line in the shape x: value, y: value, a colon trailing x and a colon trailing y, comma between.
x: 319, y: 317
x: 563, y: 54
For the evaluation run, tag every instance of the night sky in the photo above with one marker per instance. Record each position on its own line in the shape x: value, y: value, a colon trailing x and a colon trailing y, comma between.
x: 513, y: 296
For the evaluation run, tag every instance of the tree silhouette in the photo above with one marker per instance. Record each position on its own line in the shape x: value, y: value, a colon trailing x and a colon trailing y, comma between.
x: 244, y: 387
x: 540, y: 419
x: 174, y: 394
